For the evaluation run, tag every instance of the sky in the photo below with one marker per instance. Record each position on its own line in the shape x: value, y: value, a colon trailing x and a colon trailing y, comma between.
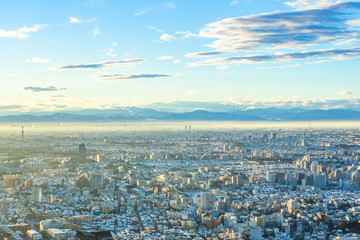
x: 81, y: 54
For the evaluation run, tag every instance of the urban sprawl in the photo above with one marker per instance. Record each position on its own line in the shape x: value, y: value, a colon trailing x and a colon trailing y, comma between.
x: 189, y: 184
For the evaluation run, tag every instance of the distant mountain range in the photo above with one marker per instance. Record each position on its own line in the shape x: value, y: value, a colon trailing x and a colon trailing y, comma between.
x: 148, y: 114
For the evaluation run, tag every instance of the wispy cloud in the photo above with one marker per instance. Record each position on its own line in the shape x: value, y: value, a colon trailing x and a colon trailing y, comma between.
x: 297, y: 102
x: 10, y: 107
x: 140, y: 12
x: 74, y: 20
x: 99, y: 65
x: 288, y: 30
x: 337, y: 54
x: 203, y: 54
x: 167, y: 37
x: 37, y: 60
x: 154, y: 28
x: 169, y: 5
x: 111, y: 53
x: 353, y: 22
x: 123, y: 77
x: 222, y: 67
x: 95, y: 32
x: 21, y: 33
x: 234, y: 2
x: 165, y: 58
x: 343, y: 93
x: 42, y: 89
x: 313, y: 4
x: 186, y: 34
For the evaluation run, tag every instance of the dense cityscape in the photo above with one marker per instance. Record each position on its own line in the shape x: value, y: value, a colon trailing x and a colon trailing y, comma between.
x: 285, y: 183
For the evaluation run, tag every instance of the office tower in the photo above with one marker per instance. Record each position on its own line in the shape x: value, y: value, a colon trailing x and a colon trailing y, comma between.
x: 97, y: 181
x: 270, y: 177
x: 82, y: 153
x: 36, y: 194
x: 260, y: 221
x: 186, y: 128
x: 291, y: 205
x: 22, y: 133
x: 236, y: 179
x: 320, y: 180
x: 205, y: 201
x: 273, y: 136
x: 12, y: 181
x: 280, y: 177
x: 190, y: 129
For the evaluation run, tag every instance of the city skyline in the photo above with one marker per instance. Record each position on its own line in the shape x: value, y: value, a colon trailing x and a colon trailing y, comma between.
x: 105, y: 54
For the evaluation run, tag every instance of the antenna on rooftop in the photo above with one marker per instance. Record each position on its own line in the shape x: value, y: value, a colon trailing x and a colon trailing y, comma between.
x: 22, y: 133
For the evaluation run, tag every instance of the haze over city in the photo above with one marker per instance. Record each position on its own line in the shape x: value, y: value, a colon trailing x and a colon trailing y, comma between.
x: 163, y: 120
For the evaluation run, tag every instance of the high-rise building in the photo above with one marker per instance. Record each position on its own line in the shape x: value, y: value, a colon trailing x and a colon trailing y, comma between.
x: 320, y: 180
x: 82, y: 153
x: 236, y: 179
x: 291, y: 205
x: 36, y: 194
x: 97, y: 181
x: 205, y: 202
x: 273, y: 136
x: 12, y: 181
x: 261, y: 221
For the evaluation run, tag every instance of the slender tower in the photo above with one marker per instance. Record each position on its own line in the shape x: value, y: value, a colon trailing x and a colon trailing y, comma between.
x: 22, y: 133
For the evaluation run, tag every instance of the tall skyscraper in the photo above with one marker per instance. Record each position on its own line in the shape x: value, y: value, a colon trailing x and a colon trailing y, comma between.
x: 320, y: 180
x: 291, y: 205
x: 205, y: 202
x: 97, y: 181
x: 36, y: 194
x: 82, y: 153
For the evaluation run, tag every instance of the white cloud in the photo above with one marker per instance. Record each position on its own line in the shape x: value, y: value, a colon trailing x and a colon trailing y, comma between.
x: 114, y: 44
x: 37, y: 60
x: 170, y: 5
x: 313, y: 4
x: 324, y: 54
x: 353, y: 22
x: 111, y: 53
x: 222, y: 67
x: 140, y: 12
x: 186, y: 34
x: 234, y: 2
x: 20, y: 33
x: 177, y: 61
x: 154, y: 28
x: 165, y: 58
x: 95, y: 32
x: 297, y: 102
x: 74, y: 20
x: 167, y: 37
x: 283, y: 30
x: 343, y: 93
x: 348, y: 42
x: 192, y: 92
x: 99, y: 65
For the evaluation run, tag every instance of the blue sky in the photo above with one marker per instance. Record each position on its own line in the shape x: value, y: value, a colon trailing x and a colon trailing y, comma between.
x: 62, y: 55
